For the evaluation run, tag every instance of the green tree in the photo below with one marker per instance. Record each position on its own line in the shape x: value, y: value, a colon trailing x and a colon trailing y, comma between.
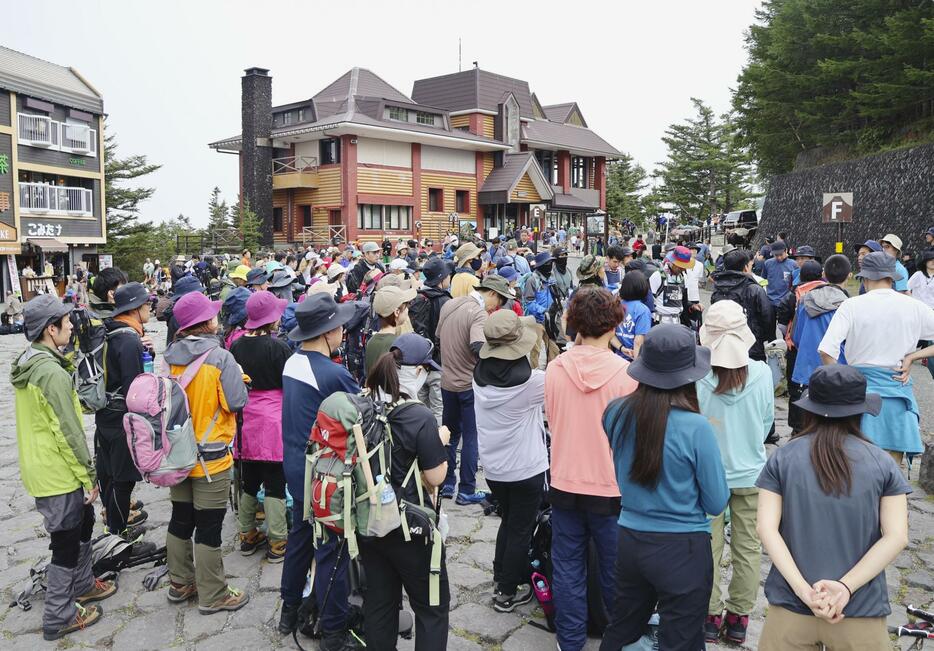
x: 625, y: 182
x: 122, y: 197
x: 243, y: 218
x: 218, y: 211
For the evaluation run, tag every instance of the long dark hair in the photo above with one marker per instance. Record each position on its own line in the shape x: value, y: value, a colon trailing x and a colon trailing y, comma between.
x: 828, y: 456
x: 646, y: 415
x: 730, y: 379
x: 384, y: 376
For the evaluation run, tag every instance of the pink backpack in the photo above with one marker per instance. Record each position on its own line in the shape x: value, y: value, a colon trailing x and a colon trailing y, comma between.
x: 159, y: 430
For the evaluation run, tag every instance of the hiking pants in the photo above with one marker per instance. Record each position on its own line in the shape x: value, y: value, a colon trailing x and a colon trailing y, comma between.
x: 299, y: 552
x: 462, y: 422
x: 745, y: 553
x: 268, y: 474
x: 795, y: 413
x: 571, y: 533
x: 520, y: 502
x: 788, y: 631
x: 672, y: 570
x: 117, y: 476
x: 70, y: 523
x: 430, y: 395
x: 198, y: 507
x: 391, y: 564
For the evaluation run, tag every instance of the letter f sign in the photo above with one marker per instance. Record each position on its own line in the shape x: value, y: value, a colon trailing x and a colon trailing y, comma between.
x: 835, y: 209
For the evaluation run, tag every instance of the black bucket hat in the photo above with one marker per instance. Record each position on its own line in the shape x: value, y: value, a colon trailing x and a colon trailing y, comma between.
x: 129, y: 297
x: 670, y: 358
x: 837, y: 391
x: 317, y: 314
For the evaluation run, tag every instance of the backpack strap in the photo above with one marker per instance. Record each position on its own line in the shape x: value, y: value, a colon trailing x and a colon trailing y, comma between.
x: 190, y: 371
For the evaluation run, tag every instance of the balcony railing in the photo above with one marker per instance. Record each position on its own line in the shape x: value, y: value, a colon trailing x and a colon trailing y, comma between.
x: 294, y: 164
x: 42, y: 198
x: 42, y: 131
x: 294, y: 172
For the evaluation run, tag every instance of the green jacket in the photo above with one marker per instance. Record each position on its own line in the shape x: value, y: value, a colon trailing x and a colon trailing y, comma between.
x: 53, y: 450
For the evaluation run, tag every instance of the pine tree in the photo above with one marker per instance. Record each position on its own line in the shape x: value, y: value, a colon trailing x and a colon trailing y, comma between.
x: 218, y: 212
x: 123, y: 202
x: 625, y: 181
x: 244, y: 219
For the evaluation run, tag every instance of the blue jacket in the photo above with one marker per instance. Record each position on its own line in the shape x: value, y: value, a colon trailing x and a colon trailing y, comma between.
x: 536, y: 296
x: 812, y: 317
x: 779, y: 275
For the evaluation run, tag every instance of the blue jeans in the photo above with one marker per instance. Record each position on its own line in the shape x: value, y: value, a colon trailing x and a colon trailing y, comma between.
x: 299, y: 551
x: 571, y: 532
x: 460, y: 420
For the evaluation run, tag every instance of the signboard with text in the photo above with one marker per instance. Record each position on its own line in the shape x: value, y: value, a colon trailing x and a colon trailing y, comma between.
x: 6, y: 179
x: 837, y: 208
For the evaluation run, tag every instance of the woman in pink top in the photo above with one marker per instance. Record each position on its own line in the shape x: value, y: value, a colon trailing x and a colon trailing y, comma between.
x: 584, y: 494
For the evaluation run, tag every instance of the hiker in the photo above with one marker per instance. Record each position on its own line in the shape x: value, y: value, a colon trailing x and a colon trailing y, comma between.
x: 678, y: 299
x: 308, y: 378
x: 921, y: 286
x: 615, y: 263
x: 583, y: 495
x: 564, y: 282
x: 367, y: 263
x: 257, y: 279
x: 101, y: 292
x: 881, y: 329
x: 778, y: 271
x: 892, y: 247
x: 199, y: 503
x: 519, y: 261
x: 738, y: 399
x: 391, y: 305
x: 258, y: 447
x: 424, y: 313
x: 735, y: 283
x: 234, y: 315
x: 460, y: 331
x: 638, y: 320
x: 803, y: 254
x: 537, y: 298
x: 185, y: 285
x: 467, y: 263
x: 56, y: 467
x: 508, y: 400
x: 831, y: 479
x: 670, y: 477
x: 862, y: 250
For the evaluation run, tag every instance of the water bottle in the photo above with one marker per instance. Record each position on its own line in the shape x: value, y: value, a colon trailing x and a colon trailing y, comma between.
x: 387, y: 495
x: 543, y: 593
x: 384, y: 516
x: 148, y: 365
x: 536, y: 564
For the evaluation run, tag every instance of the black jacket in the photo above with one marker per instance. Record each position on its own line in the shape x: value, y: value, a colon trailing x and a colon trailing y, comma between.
x: 760, y: 315
x: 123, y: 362
x: 424, y: 312
x: 356, y: 275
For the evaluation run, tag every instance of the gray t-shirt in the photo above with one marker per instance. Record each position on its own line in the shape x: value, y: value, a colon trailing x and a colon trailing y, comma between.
x: 828, y: 535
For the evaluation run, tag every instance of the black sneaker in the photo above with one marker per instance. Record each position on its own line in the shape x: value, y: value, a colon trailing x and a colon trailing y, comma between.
x: 712, y: 626
x: 503, y: 603
x: 288, y: 618
x: 343, y: 641
x: 735, y: 629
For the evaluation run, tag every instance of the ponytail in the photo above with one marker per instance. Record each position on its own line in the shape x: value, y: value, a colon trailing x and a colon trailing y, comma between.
x: 384, y: 376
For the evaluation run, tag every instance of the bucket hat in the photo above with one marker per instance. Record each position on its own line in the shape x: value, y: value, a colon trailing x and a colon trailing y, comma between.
x: 872, y: 245
x: 388, y: 299
x: 399, y: 264
x: 878, y: 265
x: 234, y: 309
x: 726, y: 333
x: 335, y: 270
x: 416, y: 350
x: 589, y: 267
x: 497, y: 284
x: 129, y: 297
x: 894, y: 240
x: 509, y: 273
x: 837, y: 391
x: 263, y: 308
x: 726, y: 248
x: 322, y: 287
x: 466, y: 252
x: 508, y: 336
x: 41, y: 310
x: 193, y: 308
x: 805, y: 251
x: 239, y: 272
x: 436, y: 270
x: 318, y: 314
x: 280, y: 279
x: 929, y: 231
x: 681, y: 256
x: 186, y: 285
x: 541, y: 258
x: 257, y: 276
x: 670, y: 358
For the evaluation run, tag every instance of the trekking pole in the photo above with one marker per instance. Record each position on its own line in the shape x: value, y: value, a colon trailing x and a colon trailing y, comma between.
x: 327, y: 591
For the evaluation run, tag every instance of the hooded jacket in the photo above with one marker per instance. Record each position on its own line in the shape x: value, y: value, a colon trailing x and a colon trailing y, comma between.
x: 579, y: 384
x: 53, y: 450
x: 359, y: 271
x: 815, y: 310
x: 218, y: 387
x: 740, y: 420
x: 424, y: 313
x: 760, y: 315
x: 536, y: 296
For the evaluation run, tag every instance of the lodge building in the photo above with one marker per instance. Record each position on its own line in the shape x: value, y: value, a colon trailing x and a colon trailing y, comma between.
x: 361, y: 160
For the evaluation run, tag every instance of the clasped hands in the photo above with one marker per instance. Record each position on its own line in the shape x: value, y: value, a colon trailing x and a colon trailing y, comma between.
x: 826, y: 599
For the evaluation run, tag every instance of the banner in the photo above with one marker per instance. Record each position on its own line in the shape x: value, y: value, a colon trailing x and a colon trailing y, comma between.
x: 14, y: 276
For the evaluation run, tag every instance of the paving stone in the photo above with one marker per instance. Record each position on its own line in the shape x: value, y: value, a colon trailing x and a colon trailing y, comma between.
x: 195, y: 625
x: 457, y: 643
x: 100, y: 634
x: 480, y: 554
x: 468, y: 576
x: 921, y: 579
x: 262, y: 609
x: 488, y: 529
x: 271, y: 577
x: 155, y: 631
x: 483, y: 621
x: 246, y: 638
x: 235, y: 564
x: 18, y: 622
x: 529, y: 638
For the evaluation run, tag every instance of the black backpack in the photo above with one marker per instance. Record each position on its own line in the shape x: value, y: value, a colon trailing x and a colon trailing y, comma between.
x: 420, y: 316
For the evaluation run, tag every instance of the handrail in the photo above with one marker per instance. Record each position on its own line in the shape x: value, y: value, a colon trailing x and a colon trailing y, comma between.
x: 47, y: 198
x: 42, y: 131
x: 289, y: 164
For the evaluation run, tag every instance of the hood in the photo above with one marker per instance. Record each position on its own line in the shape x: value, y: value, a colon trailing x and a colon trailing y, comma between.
x: 184, y: 351
x: 823, y: 299
x: 731, y: 280
x: 434, y: 292
x: 100, y: 307
x: 590, y: 368
x: 32, y: 358
x: 804, y: 288
x: 758, y: 372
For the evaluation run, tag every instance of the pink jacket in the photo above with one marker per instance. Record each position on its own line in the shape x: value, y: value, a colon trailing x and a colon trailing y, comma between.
x: 579, y: 384
x: 262, y: 427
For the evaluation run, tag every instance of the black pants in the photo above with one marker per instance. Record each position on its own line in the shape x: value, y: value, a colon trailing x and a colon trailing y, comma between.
x: 116, y: 474
x: 795, y: 413
x: 391, y: 564
x: 254, y: 474
x: 671, y: 570
x: 520, y: 501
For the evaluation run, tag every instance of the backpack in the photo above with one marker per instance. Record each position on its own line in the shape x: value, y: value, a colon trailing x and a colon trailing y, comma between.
x: 347, y: 470
x: 159, y: 430
x: 420, y: 316
x: 88, y: 352
x: 357, y: 333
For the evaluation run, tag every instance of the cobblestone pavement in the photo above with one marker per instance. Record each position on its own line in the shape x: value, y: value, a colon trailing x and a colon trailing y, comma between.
x: 137, y: 619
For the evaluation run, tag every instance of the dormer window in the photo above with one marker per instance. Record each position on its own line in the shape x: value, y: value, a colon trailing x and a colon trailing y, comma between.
x: 421, y: 117
x: 398, y: 113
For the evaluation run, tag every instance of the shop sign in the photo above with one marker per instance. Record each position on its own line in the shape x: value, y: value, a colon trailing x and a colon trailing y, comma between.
x: 14, y: 276
x: 80, y: 162
x: 9, y: 242
x: 105, y: 261
x: 37, y: 229
x: 4, y: 164
x: 4, y: 201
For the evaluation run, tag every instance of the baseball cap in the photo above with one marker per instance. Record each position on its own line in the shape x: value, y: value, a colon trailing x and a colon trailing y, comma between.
x: 41, y: 310
x: 370, y: 247
x: 388, y: 299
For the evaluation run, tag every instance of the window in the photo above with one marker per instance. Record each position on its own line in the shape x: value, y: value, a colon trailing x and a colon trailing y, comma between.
x: 398, y: 218
x: 435, y: 200
x: 462, y: 201
x: 390, y: 218
x: 425, y: 118
x: 579, y: 166
x: 277, y: 220
x: 549, y: 164
x: 369, y: 217
x: 329, y: 151
x: 397, y: 113
x: 306, y: 215
x: 287, y: 118
x: 301, y: 115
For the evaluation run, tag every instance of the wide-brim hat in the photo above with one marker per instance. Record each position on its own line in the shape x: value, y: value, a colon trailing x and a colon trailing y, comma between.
x: 498, y: 284
x: 894, y: 240
x: 878, y: 265
x: 805, y: 251
x: 194, y: 308
x: 280, y: 279
x: 508, y: 336
x: 257, y: 276
x: 318, y: 314
x: 838, y: 391
x: 466, y: 252
x: 670, y: 358
x: 263, y: 308
x: 543, y: 257
x: 681, y: 257
x: 590, y: 266
x: 239, y: 272
x: 726, y: 333
x: 129, y: 297
x: 335, y: 270
x: 234, y: 309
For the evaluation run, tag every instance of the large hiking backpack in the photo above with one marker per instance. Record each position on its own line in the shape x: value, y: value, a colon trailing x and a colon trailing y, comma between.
x: 88, y: 351
x: 357, y: 332
x: 159, y: 429
x: 350, y: 446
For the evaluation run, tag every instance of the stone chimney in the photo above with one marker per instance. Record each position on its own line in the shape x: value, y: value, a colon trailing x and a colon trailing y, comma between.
x: 256, y: 153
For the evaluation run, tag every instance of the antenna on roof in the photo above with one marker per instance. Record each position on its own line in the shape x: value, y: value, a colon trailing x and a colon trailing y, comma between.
x: 458, y: 54
x: 476, y: 64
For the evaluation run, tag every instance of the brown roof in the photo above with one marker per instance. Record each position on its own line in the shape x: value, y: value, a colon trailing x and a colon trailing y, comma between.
x: 562, y: 112
x: 502, y: 180
x: 576, y: 199
x: 566, y: 136
x: 472, y: 89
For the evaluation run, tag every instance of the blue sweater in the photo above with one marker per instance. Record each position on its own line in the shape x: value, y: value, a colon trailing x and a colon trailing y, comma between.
x: 691, y: 483
x: 779, y: 275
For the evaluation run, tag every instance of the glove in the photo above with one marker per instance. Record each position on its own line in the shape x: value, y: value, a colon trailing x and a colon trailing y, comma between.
x: 151, y: 580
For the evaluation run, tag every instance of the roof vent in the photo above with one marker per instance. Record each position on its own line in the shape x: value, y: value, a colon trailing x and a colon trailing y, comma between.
x: 262, y: 72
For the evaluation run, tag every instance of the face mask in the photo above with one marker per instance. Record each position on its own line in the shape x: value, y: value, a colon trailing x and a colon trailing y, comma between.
x: 561, y: 264
x: 475, y: 264
x: 545, y: 269
x: 412, y: 379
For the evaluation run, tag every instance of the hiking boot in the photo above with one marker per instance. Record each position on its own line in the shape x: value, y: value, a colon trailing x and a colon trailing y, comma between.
x: 133, y: 534
x: 712, y: 626
x: 735, y: 629
x: 179, y: 593
x: 137, y: 517
x: 233, y: 599
x: 276, y: 551
x: 447, y: 492
x: 506, y: 603
x: 288, y: 618
x: 98, y: 592
x: 341, y: 641
x: 136, y: 505
x: 476, y: 498
x: 83, y: 618
x: 251, y: 541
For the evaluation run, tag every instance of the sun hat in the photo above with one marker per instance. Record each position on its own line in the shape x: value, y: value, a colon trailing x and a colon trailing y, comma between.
x: 544, y: 257
x: 726, y: 333
x: 436, y: 270
x: 670, y: 358
x: 805, y: 251
x: 356, y: 254
x: 497, y: 284
x: 371, y: 247
x: 388, y: 299
x: 234, y: 309
x: 589, y: 267
x: 509, y: 273
x: 878, y: 265
x: 194, y: 308
x: 872, y: 245
x: 257, y: 276
x: 508, y: 336
x: 239, y: 272
x: 318, y: 314
x: 837, y: 391
x: 280, y: 279
x: 231, y: 266
x: 41, y: 310
x: 398, y: 264
x: 726, y: 248
x: 929, y: 231
x: 416, y: 350
x: 263, y: 308
x: 335, y: 270
x: 681, y: 256
x: 466, y: 252
x: 894, y: 240
x: 273, y: 266
x: 129, y: 297
x: 186, y: 285
x: 321, y: 287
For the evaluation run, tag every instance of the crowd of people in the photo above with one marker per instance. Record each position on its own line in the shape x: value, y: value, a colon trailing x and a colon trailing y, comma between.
x: 608, y: 393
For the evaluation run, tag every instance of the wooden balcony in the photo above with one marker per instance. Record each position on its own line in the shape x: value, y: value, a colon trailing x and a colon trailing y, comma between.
x: 294, y: 172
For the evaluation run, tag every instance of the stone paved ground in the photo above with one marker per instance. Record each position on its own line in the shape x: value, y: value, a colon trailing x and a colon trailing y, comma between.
x: 137, y: 619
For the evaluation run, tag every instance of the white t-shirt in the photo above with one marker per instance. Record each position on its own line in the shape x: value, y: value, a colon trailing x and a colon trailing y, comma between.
x: 879, y: 328
x: 922, y: 288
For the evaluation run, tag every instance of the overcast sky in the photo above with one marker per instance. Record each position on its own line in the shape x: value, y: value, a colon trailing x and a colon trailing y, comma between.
x: 170, y: 71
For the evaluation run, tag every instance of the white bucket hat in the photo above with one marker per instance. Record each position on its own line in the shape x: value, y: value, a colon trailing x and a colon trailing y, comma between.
x: 727, y: 334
